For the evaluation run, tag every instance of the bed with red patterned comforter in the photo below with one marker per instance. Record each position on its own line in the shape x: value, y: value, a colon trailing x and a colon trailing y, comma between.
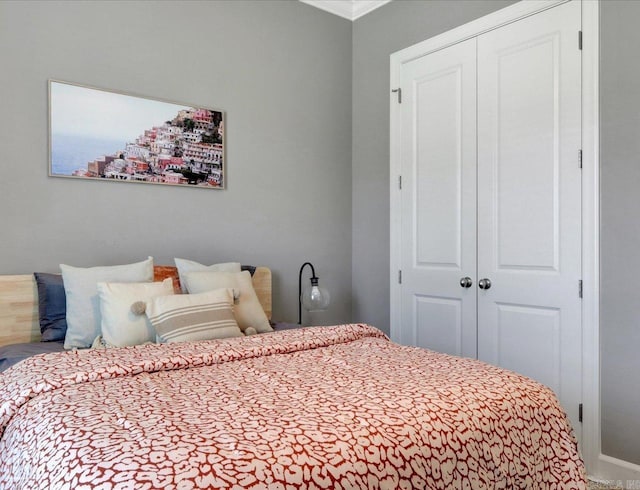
x: 326, y: 407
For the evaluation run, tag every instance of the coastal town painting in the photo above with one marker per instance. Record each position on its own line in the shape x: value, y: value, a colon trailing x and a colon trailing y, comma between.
x: 101, y: 134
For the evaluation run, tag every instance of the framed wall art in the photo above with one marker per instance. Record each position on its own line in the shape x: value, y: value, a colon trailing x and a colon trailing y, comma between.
x: 112, y: 136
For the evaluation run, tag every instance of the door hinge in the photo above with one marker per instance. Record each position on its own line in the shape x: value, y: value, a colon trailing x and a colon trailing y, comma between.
x: 400, y: 182
x: 580, y: 158
x: 579, y: 39
x: 580, y: 288
x: 399, y: 92
x: 580, y: 413
x: 399, y: 277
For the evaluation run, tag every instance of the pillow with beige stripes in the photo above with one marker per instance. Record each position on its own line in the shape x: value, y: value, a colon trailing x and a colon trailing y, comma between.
x: 186, y: 317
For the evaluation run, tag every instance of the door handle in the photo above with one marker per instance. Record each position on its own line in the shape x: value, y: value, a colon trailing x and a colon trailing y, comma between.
x: 484, y: 283
x: 466, y: 282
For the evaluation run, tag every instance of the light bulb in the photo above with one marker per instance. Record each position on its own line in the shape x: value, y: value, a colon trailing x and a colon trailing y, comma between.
x: 315, y: 298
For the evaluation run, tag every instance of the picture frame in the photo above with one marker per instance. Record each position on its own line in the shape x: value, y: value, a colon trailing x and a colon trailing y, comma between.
x: 101, y: 134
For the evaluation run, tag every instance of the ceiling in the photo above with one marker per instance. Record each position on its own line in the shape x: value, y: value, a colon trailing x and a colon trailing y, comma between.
x: 349, y: 9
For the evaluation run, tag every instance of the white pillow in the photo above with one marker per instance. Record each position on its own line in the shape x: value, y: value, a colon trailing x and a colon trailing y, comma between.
x: 120, y: 325
x: 185, y: 266
x: 186, y: 317
x: 248, y: 310
x: 83, y: 304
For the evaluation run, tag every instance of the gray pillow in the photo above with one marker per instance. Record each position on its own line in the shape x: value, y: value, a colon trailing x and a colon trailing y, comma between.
x: 52, y: 306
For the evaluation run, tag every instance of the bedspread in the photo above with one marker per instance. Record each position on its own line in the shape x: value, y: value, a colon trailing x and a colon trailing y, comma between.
x: 323, y: 407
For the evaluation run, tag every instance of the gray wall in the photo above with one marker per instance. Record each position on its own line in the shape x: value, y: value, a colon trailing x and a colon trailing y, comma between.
x: 282, y: 72
x: 620, y: 229
x: 376, y: 35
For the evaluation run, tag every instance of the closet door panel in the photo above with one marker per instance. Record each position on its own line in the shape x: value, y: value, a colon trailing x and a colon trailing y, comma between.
x: 529, y: 199
x: 439, y: 200
x: 438, y: 168
x: 526, y: 161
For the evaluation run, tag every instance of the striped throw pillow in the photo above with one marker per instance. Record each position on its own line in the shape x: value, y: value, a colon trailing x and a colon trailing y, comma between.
x: 186, y: 317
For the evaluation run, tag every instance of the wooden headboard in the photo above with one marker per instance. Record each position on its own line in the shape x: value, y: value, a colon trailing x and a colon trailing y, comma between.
x: 19, y: 305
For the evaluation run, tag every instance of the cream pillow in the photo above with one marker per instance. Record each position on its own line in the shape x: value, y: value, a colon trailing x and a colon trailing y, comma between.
x: 121, y: 326
x: 83, y: 304
x: 185, y: 266
x: 248, y: 311
x: 185, y: 317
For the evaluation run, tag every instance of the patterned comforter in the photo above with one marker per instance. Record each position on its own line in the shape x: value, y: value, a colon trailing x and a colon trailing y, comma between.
x: 325, y: 407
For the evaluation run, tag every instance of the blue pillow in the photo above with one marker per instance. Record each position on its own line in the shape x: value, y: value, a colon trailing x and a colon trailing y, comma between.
x: 52, y: 306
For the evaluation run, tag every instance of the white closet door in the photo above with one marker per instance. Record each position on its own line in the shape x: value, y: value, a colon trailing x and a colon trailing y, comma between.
x: 438, y: 240
x: 529, y: 200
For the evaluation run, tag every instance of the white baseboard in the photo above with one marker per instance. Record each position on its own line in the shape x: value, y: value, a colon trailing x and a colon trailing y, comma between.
x: 617, y: 471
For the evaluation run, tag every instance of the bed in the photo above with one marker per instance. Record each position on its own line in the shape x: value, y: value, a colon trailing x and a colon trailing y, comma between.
x: 320, y: 407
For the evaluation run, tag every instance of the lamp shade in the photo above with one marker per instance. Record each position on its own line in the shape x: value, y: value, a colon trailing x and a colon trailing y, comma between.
x: 315, y: 298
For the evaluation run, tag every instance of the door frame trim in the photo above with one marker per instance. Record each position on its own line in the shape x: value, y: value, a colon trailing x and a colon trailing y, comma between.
x: 597, y: 464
